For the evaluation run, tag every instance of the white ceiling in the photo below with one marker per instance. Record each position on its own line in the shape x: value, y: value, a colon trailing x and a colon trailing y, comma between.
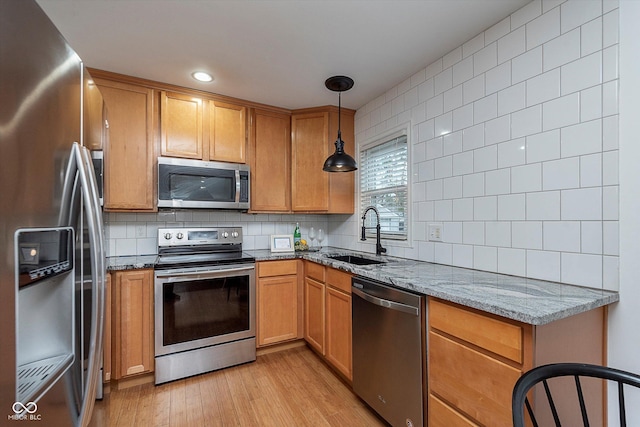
x: 276, y: 52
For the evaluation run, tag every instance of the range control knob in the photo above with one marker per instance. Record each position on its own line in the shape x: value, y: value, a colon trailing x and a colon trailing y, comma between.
x: 225, y: 234
x: 179, y: 236
x: 167, y: 236
x: 235, y: 234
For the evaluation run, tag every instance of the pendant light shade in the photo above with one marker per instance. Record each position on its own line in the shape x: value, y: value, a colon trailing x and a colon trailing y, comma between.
x: 339, y: 161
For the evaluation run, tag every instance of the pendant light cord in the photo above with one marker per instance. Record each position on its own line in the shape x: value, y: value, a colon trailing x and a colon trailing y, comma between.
x: 339, y: 106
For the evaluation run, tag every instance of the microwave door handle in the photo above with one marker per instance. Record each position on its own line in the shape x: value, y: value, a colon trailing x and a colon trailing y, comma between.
x: 237, y: 186
x: 92, y: 210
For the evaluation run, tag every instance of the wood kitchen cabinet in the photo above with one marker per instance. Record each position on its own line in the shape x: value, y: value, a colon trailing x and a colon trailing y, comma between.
x: 328, y: 315
x: 133, y: 352
x: 313, y: 132
x: 201, y: 128
x: 475, y: 358
x: 270, y: 154
x: 129, y: 154
x: 277, y: 301
x: 106, y: 347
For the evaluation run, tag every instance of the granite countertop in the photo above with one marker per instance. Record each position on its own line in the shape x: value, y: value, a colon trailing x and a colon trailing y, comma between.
x: 531, y: 301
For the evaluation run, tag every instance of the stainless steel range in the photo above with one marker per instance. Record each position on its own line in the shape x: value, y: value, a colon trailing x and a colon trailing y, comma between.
x: 205, y: 302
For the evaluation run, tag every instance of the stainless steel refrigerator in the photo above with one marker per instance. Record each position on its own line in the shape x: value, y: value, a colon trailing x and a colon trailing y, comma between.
x: 52, y: 263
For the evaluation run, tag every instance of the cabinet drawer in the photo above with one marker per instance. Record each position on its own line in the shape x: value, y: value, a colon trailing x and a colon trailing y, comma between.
x: 473, y: 382
x: 443, y: 415
x: 277, y: 268
x: 314, y: 270
x: 496, y: 336
x: 339, y: 279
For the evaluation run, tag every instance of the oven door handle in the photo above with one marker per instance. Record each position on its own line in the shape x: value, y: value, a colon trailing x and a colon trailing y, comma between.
x: 199, y: 275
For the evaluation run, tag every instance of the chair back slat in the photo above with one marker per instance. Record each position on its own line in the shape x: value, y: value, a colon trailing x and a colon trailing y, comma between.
x: 577, y: 370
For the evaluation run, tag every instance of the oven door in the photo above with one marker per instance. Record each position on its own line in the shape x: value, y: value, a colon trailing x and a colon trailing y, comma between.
x: 200, y: 307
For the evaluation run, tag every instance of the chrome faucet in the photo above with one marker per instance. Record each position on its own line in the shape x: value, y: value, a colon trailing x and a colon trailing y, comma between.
x: 379, y: 249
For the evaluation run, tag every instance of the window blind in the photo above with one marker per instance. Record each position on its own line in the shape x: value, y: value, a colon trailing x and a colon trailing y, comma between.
x: 383, y: 184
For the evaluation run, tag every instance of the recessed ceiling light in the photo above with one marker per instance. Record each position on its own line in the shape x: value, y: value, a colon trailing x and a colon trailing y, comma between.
x: 201, y: 76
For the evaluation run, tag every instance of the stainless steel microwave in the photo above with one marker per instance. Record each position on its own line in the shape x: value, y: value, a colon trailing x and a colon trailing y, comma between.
x: 184, y: 183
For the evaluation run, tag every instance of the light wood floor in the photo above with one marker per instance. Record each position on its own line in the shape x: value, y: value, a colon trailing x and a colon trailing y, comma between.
x: 288, y: 388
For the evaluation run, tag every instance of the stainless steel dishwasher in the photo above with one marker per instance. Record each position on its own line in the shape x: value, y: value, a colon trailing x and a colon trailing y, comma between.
x: 389, y: 351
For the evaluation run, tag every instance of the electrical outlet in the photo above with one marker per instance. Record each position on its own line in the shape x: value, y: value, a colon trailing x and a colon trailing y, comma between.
x: 435, y: 232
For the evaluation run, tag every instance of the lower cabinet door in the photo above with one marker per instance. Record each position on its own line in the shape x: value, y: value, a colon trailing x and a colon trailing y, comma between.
x: 338, y: 330
x: 314, y: 313
x: 277, y: 309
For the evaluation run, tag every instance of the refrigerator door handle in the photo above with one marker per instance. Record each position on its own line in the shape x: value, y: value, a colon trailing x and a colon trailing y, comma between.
x: 94, y: 223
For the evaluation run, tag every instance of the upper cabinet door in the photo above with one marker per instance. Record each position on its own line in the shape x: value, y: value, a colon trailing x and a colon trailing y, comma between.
x: 270, y: 154
x: 181, y: 122
x: 227, y: 132
x: 129, y: 183
x: 310, y: 148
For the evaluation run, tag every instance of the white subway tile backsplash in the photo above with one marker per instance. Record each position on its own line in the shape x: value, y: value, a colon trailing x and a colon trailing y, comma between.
x: 452, y: 188
x: 584, y: 138
x: 543, y: 205
x: 581, y: 74
x: 543, y: 146
x: 498, y: 78
x: 561, y: 50
x: 591, y: 103
x: 473, y: 233
x: 591, y: 170
x: 544, y: 87
x: 452, y: 143
x: 578, y: 12
x: 526, y: 178
x: 463, y: 209
x: 543, y: 265
x: 485, y: 208
x: 452, y: 98
x: 591, y: 237
x: 562, y: 236
x: 485, y: 159
x: 452, y: 232
x: 462, y: 71
x: 473, y: 89
x: 498, y: 233
x: 463, y: 117
x: 610, y: 29
x: 497, y: 182
x: 485, y: 59
x: 463, y: 163
x: 485, y: 109
x: 582, y: 269
x: 511, y: 99
x: 561, y: 112
x: 473, y: 185
x: 527, y: 13
x: 514, y: 148
x: 497, y: 130
x: 485, y: 258
x: 527, y: 122
x: 512, y: 261
x: 561, y: 174
x: 527, y: 65
x: 511, y: 45
x: 543, y: 28
x: 511, y: 207
x: 583, y: 204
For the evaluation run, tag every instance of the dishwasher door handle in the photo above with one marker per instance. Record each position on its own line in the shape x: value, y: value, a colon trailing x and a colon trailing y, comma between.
x: 409, y: 309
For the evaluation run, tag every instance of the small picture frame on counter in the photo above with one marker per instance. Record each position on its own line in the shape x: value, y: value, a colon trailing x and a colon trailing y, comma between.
x: 282, y: 243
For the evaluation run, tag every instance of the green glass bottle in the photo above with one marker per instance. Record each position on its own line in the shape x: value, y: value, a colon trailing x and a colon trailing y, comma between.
x: 297, y: 236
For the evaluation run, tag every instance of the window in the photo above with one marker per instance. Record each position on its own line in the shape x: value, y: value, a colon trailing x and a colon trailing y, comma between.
x: 383, y: 184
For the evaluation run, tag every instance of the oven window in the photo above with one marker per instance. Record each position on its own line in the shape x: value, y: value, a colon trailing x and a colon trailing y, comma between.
x: 202, y: 188
x: 205, y: 308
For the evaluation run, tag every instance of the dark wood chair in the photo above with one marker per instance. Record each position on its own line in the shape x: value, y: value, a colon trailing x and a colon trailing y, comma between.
x: 543, y: 374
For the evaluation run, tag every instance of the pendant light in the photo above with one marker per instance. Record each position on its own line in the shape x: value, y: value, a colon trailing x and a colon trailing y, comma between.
x: 339, y: 161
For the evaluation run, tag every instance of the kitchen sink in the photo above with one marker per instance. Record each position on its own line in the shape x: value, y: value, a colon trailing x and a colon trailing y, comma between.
x: 354, y: 259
